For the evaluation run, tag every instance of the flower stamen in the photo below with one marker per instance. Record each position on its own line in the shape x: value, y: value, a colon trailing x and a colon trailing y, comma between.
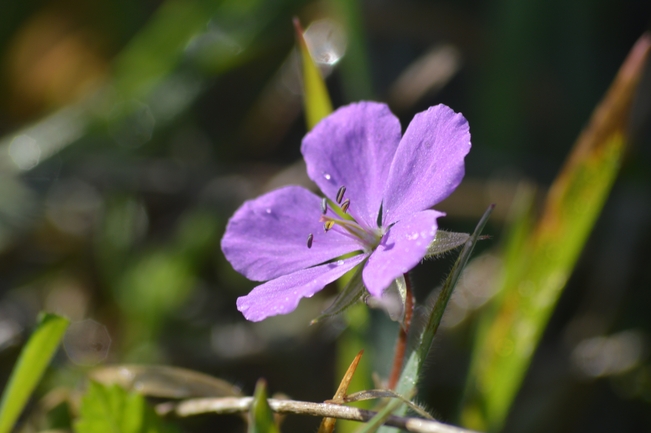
x: 345, y: 205
x: 340, y: 194
x: 324, y: 205
x: 310, y: 238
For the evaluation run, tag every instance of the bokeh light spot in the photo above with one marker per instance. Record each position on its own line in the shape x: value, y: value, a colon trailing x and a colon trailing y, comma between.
x: 87, y: 342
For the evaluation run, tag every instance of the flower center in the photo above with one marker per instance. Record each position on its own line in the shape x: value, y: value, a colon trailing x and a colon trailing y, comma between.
x: 336, y: 218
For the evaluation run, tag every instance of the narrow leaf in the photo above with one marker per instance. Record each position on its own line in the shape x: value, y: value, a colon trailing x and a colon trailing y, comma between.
x: 29, y: 369
x: 261, y: 416
x: 315, y: 94
x: 536, y: 276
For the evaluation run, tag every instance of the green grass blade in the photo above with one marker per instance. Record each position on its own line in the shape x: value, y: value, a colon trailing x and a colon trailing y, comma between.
x: 261, y: 416
x: 29, y: 369
x: 315, y: 93
x: 534, y: 280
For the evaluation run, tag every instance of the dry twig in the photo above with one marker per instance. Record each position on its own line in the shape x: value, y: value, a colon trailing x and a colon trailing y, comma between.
x: 229, y: 405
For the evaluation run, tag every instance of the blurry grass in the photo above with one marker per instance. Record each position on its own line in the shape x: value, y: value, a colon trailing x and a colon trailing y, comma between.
x: 32, y: 363
x: 316, y: 100
x: 534, y: 278
x: 355, y: 66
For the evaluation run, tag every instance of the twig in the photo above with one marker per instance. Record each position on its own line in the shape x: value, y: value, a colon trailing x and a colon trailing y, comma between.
x: 230, y: 405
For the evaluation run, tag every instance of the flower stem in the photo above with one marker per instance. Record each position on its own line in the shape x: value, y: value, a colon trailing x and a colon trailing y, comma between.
x: 401, y: 344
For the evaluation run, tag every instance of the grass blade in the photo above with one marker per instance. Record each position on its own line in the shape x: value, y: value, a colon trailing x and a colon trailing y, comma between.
x: 261, y: 415
x: 534, y: 280
x: 315, y: 94
x: 29, y: 369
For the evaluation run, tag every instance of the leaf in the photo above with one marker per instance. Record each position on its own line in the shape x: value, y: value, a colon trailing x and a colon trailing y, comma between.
x: 111, y: 409
x: 261, y: 418
x: 31, y: 365
x: 535, y: 277
x: 414, y: 365
x: 445, y: 242
x: 315, y: 94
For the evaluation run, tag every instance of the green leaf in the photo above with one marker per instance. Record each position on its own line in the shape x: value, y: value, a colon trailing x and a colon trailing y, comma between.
x: 445, y: 242
x: 414, y: 366
x: 315, y: 94
x: 540, y: 259
x: 261, y: 417
x: 111, y: 409
x: 31, y: 365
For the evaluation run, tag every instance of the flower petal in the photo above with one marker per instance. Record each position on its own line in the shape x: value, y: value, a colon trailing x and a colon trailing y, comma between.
x: 267, y: 237
x: 401, y: 248
x: 281, y: 296
x: 354, y: 147
x: 428, y: 164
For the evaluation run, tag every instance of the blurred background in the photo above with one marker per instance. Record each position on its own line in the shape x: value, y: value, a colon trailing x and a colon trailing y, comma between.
x: 131, y: 130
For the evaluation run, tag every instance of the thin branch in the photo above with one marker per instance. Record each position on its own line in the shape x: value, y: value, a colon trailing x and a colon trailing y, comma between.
x: 231, y: 405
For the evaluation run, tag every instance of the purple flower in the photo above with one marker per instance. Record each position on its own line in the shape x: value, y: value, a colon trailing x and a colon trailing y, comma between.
x: 381, y: 186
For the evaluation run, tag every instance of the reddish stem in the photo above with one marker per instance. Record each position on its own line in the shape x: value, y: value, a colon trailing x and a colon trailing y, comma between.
x: 401, y: 344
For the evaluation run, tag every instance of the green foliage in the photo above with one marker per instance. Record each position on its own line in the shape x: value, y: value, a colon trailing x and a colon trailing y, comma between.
x: 261, y: 417
x: 111, y: 409
x: 546, y: 254
x: 31, y: 365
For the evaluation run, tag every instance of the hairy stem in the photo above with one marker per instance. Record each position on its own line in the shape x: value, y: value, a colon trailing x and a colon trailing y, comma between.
x: 401, y: 344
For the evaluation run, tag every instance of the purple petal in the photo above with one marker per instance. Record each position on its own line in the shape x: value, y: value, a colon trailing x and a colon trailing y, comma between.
x: 354, y: 147
x: 267, y: 237
x: 281, y: 296
x: 428, y: 164
x: 401, y: 248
